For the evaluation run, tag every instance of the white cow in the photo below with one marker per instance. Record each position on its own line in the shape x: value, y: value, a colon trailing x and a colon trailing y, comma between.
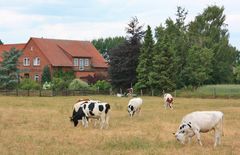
x: 168, y: 100
x: 134, y: 106
x: 200, y: 121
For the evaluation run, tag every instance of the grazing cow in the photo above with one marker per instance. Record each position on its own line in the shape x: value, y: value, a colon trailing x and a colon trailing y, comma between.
x: 134, y: 105
x: 84, y: 110
x: 200, y: 121
x: 168, y: 101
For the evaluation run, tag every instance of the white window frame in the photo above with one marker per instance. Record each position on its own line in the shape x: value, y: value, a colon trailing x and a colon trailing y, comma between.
x: 86, y: 62
x: 75, y: 61
x: 36, y: 61
x: 36, y: 77
x: 81, y: 64
x: 26, y: 62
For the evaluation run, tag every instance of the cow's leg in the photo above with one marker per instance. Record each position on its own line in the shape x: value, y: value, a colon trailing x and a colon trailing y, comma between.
x: 85, y: 122
x: 196, y: 131
x: 139, y: 111
x: 102, y: 118
x: 217, y: 139
x: 96, y: 122
x: 107, y: 120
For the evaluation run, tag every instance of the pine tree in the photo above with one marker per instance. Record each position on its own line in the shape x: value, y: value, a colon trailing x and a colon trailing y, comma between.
x: 1, y: 43
x: 161, y: 75
x: 46, y: 75
x: 8, y: 69
x: 145, y: 60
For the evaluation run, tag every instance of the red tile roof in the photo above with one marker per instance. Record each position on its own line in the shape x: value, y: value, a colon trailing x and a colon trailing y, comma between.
x: 7, y: 47
x: 55, y: 49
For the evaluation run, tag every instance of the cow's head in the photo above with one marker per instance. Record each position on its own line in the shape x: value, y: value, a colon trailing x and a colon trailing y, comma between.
x: 131, y: 110
x: 184, y: 130
x: 77, y: 115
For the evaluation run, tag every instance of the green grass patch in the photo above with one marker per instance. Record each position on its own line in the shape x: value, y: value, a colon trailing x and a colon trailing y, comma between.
x: 212, y: 91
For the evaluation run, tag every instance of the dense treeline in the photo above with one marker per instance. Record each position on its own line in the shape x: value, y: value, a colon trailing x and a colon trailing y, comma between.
x: 179, y: 55
x: 104, y: 45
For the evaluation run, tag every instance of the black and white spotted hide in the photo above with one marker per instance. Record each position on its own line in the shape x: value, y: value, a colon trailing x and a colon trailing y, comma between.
x: 92, y: 109
x: 78, y: 113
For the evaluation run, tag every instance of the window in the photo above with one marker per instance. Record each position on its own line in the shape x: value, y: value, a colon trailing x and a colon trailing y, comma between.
x: 36, y: 61
x: 75, y: 61
x: 36, y: 77
x: 86, y: 63
x: 81, y: 64
x: 31, y: 49
x: 26, y: 62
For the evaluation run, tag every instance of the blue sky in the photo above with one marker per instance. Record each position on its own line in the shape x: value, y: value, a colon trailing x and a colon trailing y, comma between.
x: 92, y: 19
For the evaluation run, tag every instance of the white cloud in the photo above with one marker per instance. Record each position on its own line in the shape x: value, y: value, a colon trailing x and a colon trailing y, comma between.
x: 14, y: 19
x: 80, y: 31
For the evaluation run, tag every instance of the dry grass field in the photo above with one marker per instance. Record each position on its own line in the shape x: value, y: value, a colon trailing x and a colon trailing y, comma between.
x: 35, y: 125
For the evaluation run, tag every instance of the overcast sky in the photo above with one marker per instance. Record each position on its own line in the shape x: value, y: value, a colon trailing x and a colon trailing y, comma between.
x: 92, y: 19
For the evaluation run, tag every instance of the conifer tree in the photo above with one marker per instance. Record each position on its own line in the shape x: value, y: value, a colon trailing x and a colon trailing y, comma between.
x: 145, y: 60
x: 46, y: 75
x: 8, y: 69
x: 161, y: 75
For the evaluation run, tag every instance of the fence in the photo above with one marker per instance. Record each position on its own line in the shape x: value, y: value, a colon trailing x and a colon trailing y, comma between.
x: 48, y: 93
x: 199, y: 93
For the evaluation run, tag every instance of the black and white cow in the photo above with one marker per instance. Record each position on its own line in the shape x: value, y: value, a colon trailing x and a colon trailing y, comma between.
x: 200, y: 121
x: 84, y: 110
x: 134, y: 106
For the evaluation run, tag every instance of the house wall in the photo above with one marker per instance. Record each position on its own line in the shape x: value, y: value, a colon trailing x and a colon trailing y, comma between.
x: 31, y: 51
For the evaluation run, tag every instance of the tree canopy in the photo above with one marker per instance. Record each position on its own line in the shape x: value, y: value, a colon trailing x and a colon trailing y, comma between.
x: 124, y: 58
x: 8, y: 69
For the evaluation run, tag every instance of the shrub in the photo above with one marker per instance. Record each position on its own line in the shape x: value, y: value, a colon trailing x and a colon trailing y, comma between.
x: 102, y: 85
x: 77, y: 84
x: 59, y: 84
x: 28, y: 84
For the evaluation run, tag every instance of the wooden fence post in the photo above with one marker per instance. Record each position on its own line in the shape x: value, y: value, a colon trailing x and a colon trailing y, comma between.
x: 214, y: 92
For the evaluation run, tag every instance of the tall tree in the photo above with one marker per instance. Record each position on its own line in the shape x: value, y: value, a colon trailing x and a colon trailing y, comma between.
x: 145, y: 60
x: 208, y: 30
x: 46, y: 75
x: 179, y: 41
x: 8, y: 69
x: 198, y: 66
x: 1, y: 43
x: 124, y: 58
x: 161, y: 74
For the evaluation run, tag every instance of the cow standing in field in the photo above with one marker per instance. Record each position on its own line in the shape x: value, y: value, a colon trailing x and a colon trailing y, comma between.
x: 200, y: 121
x: 84, y: 110
x: 134, y: 106
x: 168, y: 101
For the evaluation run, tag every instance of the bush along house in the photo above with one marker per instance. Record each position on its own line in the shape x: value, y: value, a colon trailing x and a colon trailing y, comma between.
x: 80, y: 56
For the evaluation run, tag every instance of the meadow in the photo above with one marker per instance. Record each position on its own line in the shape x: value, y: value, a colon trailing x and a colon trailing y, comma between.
x: 40, y: 125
